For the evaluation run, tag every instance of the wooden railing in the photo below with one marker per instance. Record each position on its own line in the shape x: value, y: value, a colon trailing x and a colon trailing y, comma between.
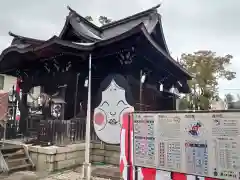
x: 62, y: 132
x: 53, y: 132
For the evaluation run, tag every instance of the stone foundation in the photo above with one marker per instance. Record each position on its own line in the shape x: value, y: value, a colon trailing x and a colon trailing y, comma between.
x: 55, y: 158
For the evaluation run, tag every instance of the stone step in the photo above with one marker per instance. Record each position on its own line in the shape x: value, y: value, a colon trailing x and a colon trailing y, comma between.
x: 112, y: 173
x: 17, y: 159
x: 15, y: 155
x: 19, y: 167
x: 6, y: 147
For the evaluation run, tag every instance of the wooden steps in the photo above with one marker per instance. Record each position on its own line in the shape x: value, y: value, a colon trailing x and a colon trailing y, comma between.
x: 14, y: 158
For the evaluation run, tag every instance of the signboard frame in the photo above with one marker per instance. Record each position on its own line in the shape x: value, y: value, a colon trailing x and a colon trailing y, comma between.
x: 204, y: 114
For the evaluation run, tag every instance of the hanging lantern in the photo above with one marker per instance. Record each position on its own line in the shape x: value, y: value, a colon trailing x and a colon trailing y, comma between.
x: 56, y: 107
x: 56, y: 110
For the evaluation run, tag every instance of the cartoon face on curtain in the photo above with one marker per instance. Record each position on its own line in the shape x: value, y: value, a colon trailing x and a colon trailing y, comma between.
x: 110, y: 112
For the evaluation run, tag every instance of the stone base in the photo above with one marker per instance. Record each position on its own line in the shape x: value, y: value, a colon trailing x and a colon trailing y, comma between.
x: 112, y: 173
x: 86, y: 171
x: 53, y: 158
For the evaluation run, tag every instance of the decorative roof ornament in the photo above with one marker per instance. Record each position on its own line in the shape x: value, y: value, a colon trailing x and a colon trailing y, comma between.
x: 126, y: 56
x: 71, y: 10
x: 161, y: 87
x: 56, y: 65
x: 46, y: 67
x: 69, y: 65
x: 12, y: 34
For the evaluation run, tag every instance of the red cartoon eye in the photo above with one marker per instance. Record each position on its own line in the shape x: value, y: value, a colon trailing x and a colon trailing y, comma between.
x: 99, y: 118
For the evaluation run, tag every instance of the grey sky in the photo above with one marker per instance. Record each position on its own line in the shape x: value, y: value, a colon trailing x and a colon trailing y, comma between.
x: 189, y: 25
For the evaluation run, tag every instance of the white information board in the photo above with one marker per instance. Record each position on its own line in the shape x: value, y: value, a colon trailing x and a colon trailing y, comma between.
x: 198, y: 143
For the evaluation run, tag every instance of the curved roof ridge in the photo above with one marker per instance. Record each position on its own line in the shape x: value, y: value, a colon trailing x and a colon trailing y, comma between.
x: 115, y: 23
x: 130, y: 18
x: 82, y: 30
x: 86, y: 33
x: 65, y: 26
x: 27, y: 39
x: 82, y: 18
x: 162, y: 33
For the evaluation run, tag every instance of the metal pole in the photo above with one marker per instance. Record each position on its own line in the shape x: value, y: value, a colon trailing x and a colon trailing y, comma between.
x: 194, y: 98
x: 129, y: 147
x: 86, y: 164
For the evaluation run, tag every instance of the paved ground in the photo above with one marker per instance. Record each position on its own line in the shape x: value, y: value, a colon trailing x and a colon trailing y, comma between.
x: 98, y: 172
x: 103, y: 172
x: 68, y: 175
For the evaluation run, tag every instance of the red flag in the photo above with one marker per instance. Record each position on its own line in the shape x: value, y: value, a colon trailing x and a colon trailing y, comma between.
x: 18, y: 85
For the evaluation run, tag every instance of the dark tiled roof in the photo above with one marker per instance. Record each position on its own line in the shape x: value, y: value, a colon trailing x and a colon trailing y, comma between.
x: 144, y: 23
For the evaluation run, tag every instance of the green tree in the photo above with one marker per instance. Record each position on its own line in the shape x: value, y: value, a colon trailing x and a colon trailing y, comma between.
x: 89, y: 18
x: 183, y: 104
x: 103, y: 20
x: 208, y: 68
x: 229, y: 100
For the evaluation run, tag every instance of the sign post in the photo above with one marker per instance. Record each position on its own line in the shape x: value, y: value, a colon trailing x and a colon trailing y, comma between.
x: 87, y: 164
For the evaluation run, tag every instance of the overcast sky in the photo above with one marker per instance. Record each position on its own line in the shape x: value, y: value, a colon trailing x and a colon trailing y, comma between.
x: 189, y: 25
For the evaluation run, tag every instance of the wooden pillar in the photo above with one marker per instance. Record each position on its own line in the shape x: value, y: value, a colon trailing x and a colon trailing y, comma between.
x: 24, y: 113
x: 63, y: 94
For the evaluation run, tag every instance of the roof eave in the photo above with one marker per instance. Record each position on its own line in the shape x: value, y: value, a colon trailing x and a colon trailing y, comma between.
x: 138, y: 29
x: 154, y: 44
x: 26, y: 39
x: 65, y: 28
x: 57, y: 40
x: 162, y: 33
